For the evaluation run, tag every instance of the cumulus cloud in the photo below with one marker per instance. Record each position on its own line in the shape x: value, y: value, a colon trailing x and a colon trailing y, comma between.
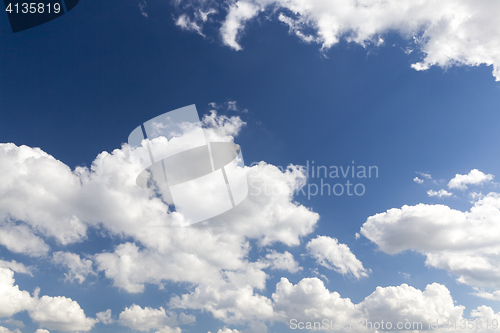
x: 212, y: 256
x: 6, y: 330
x: 227, y: 330
x: 14, y: 322
x: 447, y: 32
x: 146, y: 319
x: 494, y: 296
x: 59, y: 313
x: 169, y: 330
x: 105, y: 317
x: 309, y: 300
x: 474, y: 177
x: 331, y: 254
x: 181, y: 254
x: 16, y: 267
x: 12, y: 300
x: 282, y: 261
x: 231, y: 299
x: 418, y: 180
x: 441, y: 193
x: 21, y: 239
x: 78, y: 268
x: 463, y: 243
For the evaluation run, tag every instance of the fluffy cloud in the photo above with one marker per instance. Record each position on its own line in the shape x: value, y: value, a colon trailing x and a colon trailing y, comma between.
x: 495, y: 296
x: 78, y: 268
x: 227, y: 330
x: 40, y: 191
x: 474, y: 177
x: 21, y: 239
x: 12, y: 300
x: 282, y: 261
x: 463, y: 243
x: 223, y: 244
x: 309, y: 300
x: 441, y: 193
x: 59, y: 313
x: 105, y: 317
x: 448, y: 32
x: 212, y: 256
x: 169, y: 330
x: 329, y: 253
x: 16, y: 267
x: 146, y: 319
x: 6, y: 330
x: 231, y: 299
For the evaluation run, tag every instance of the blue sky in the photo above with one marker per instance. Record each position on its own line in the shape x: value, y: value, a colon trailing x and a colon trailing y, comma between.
x: 77, y: 86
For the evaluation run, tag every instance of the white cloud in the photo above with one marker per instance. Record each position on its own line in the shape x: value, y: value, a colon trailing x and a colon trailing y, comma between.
x: 282, y: 261
x: 169, y: 330
x: 486, y: 314
x: 220, y: 127
x: 231, y: 299
x: 14, y: 322
x: 239, y: 12
x: 231, y: 105
x: 105, y: 317
x: 448, y: 32
x: 474, y: 177
x: 309, y: 300
x: 78, y: 268
x: 38, y: 190
x: 12, y: 300
x: 424, y: 175
x: 441, y: 193
x: 329, y: 253
x: 463, y: 243
x: 142, y: 5
x: 16, y: 267
x: 41, y: 330
x: 59, y: 313
x: 21, y: 239
x: 145, y: 319
x: 418, y: 180
x: 197, y: 254
x: 227, y: 330
x: 494, y: 296
x: 185, y: 23
x: 213, y: 257
x: 6, y: 330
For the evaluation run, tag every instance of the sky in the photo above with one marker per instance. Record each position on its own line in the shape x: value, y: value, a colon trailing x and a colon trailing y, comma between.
x: 408, y: 90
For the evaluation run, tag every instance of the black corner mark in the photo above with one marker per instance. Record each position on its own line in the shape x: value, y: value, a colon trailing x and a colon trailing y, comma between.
x: 24, y: 14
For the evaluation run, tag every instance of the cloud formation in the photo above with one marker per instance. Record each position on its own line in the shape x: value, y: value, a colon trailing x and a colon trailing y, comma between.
x: 447, y: 32
x: 474, y: 177
x: 329, y: 253
x: 463, y: 243
x: 58, y: 313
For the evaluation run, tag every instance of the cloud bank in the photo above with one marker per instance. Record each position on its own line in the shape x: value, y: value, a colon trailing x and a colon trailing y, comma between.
x: 447, y: 32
